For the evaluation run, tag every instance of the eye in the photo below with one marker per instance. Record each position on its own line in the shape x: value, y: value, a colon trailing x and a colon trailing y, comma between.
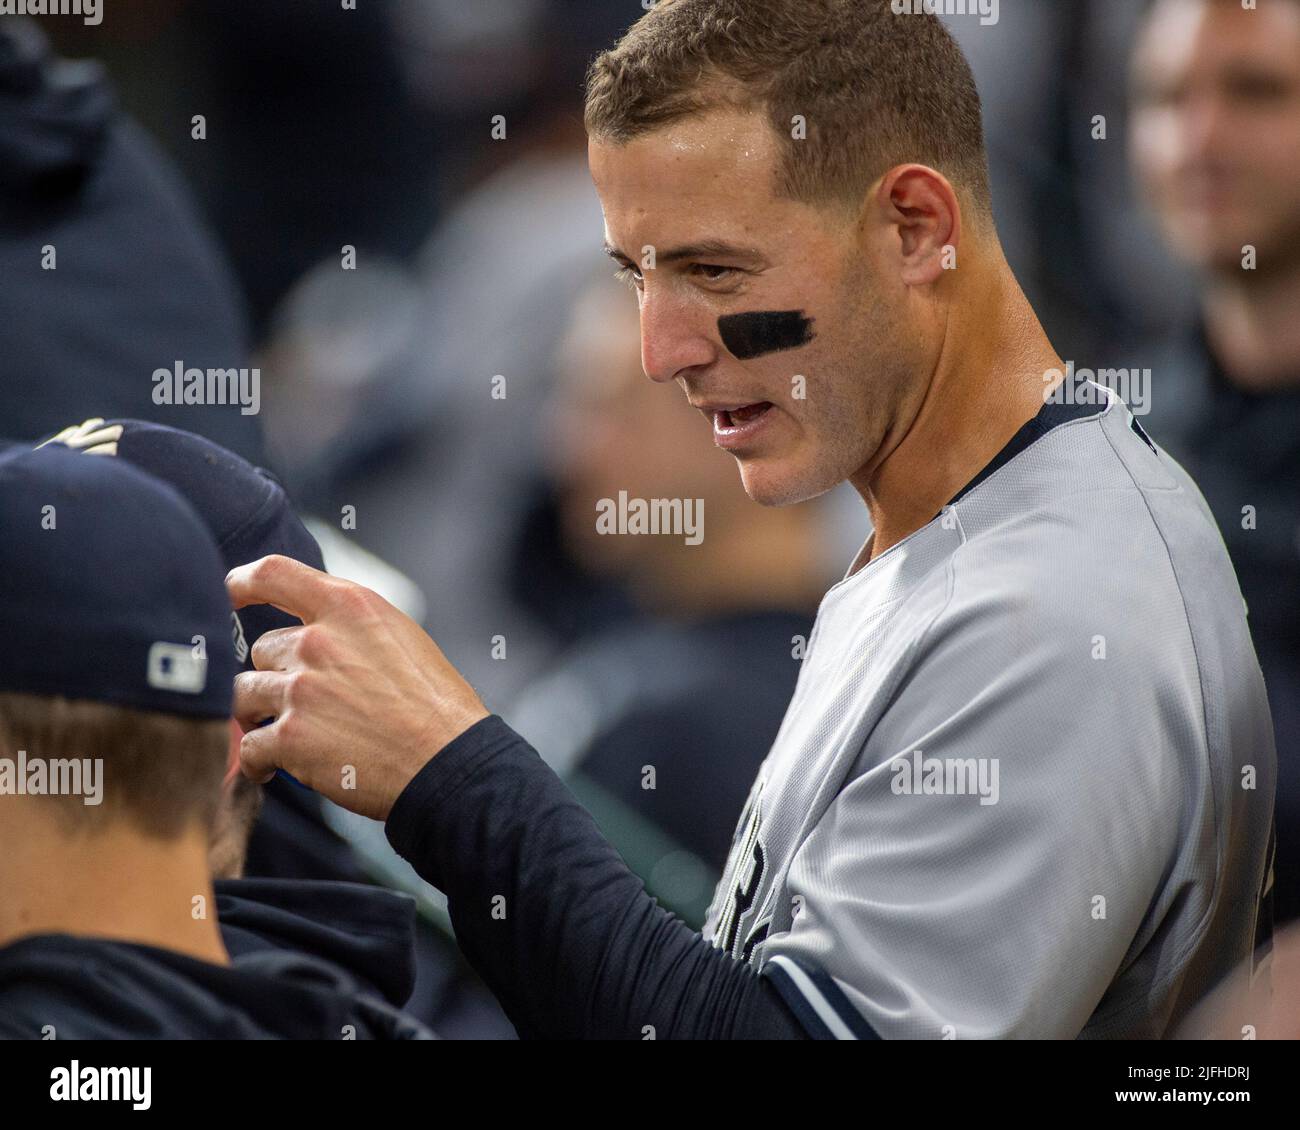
x: 711, y: 272
x: 1158, y: 96
x: 1258, y: 89
x: 629, y: 276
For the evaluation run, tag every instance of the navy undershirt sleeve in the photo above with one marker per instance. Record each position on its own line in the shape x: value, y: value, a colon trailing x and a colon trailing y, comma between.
x: 549, y: 914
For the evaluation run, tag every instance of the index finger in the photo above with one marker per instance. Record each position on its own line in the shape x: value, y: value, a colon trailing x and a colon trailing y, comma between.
x: 287, y: 584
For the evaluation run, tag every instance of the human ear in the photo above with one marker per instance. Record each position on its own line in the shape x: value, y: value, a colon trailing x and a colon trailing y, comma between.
x: 922, y: 206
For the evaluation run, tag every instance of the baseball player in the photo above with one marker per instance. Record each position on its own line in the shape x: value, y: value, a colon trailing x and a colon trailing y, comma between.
x: 115, y: 694
x: 1024, y: 786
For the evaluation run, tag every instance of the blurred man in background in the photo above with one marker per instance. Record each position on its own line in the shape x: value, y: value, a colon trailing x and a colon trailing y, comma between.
x: 722, y: 621
x: 1216, y: 145
x: 1046, y: 73
x: 109, y: 272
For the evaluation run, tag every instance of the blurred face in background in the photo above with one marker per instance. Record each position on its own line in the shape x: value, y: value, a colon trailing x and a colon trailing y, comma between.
x: 615, y: 431
x: 701, y: 192
x: 1215, y: 129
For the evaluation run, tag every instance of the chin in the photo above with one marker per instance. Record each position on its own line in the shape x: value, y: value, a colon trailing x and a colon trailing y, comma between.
x: 1208, y: 246
x: 769, y: 483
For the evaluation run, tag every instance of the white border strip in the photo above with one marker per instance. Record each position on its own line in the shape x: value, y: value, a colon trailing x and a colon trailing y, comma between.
x: 813, y: 995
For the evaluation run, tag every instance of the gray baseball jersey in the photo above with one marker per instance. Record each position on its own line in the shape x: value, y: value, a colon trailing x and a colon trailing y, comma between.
x: 1024, y: 787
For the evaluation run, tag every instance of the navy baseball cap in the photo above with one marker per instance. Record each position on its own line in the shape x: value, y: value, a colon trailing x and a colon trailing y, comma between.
x: 111, y: 588
x: 244, y: 507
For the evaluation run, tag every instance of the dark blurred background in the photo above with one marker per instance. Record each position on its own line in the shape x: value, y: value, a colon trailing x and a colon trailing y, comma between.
x: 387, y: 211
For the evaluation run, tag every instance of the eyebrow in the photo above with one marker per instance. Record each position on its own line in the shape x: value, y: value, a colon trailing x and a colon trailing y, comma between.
x: 706, y: 249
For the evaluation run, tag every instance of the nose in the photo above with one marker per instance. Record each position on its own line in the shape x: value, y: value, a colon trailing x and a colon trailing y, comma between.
x: 674, y: 337
x: 1204, y: 125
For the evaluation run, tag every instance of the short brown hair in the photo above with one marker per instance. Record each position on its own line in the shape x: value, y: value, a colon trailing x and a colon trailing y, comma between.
x: 875, y: 89
x: 161, y: 771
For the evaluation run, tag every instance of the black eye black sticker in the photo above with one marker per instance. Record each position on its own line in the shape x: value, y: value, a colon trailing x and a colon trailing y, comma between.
x: 752, y: 335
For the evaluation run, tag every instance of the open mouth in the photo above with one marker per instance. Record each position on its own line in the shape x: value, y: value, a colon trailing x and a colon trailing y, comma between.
x: 739, y: 417
x: 737, y: 429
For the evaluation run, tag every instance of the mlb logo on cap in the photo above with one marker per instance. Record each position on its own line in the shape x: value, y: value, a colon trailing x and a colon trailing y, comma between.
x: 177, y: 667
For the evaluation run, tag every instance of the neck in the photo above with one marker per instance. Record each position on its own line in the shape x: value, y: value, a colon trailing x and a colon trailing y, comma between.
x: 1251, y: 324
x: 989, y: 381
x: 114, y: 883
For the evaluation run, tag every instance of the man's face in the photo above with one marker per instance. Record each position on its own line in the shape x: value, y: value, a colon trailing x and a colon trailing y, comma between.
x: 1215, y: 130
x: 770, y: 314
x: 601, y: 399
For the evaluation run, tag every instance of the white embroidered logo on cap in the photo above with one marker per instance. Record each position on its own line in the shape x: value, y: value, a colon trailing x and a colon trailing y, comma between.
x: 176, y: 667
x: 237, y: 634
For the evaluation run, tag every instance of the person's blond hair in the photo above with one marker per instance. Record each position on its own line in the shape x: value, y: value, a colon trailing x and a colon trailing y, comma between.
x: 160, y: 771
